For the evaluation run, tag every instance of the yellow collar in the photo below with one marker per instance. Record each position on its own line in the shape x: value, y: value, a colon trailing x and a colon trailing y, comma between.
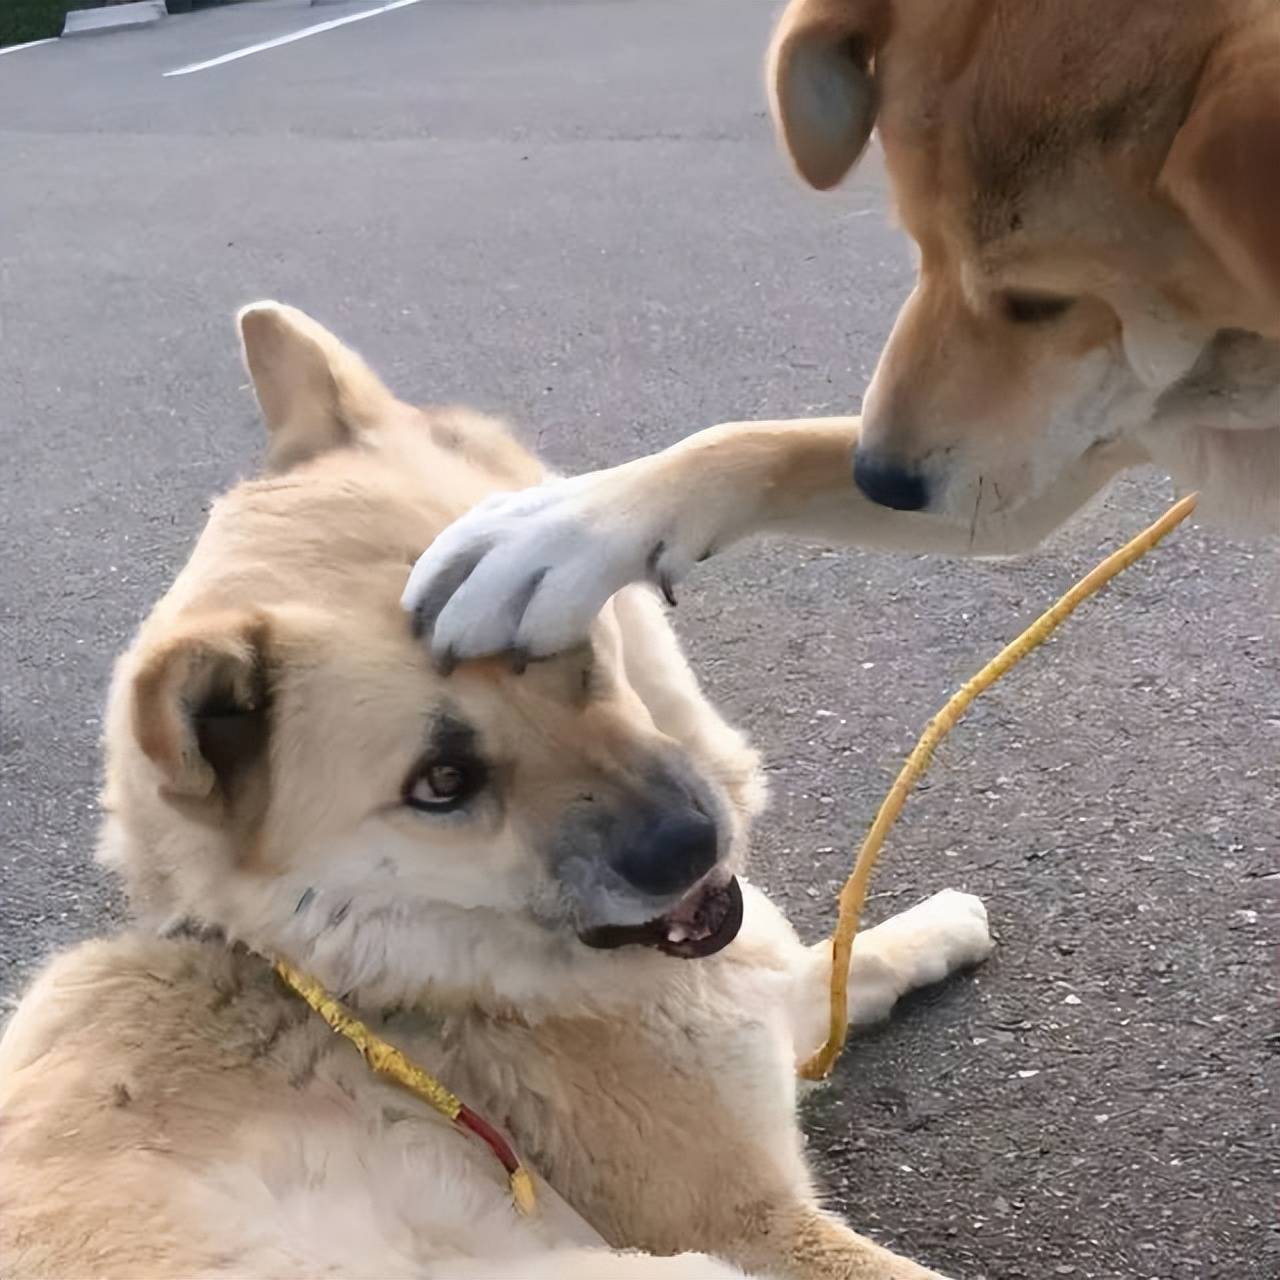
x: 387, y: 1060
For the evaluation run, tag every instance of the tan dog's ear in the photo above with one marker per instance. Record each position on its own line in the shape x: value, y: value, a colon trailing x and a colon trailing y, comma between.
x: 1223, y: 170
x: 821, y: 90
x: 201, y: 714
x: 315, y: 393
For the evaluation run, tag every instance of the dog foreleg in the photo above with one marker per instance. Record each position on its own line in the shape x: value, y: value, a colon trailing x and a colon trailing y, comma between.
x: 803, y: 1243
x: 529, y: 571
x: 845, y: 515
x: 587, y: 1264
x: 923, y: 944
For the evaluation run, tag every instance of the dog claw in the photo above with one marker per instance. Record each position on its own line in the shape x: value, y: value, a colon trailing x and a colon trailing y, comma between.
x: 668, y: 592
x: 446, y: 662
x: 519, y: 661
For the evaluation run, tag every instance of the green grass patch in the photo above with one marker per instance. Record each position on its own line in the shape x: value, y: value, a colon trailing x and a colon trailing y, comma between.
x: 23, y: 20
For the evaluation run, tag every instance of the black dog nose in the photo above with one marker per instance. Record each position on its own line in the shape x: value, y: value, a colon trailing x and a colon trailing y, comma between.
x: 888, y: 483
x: 669, y: 852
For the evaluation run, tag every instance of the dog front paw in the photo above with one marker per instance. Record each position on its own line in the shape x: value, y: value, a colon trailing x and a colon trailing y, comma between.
x: 526, y: 573
x: 937, y: 937
x: 522, y: 573
x: 963, y: 931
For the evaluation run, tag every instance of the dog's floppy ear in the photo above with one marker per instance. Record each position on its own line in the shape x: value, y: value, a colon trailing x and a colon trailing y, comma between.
x: 202, y: 711
x: 1223, y: 170
x: 821, y: 88
x: 315, y: 393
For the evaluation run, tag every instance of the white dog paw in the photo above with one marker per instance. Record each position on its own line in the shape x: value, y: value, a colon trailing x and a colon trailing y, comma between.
x: 961, y: 933
x: 526, y: 573
x: 938, y: 936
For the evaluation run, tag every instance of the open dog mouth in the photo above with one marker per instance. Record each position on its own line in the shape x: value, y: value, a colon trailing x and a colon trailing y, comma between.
x: 703, y: 922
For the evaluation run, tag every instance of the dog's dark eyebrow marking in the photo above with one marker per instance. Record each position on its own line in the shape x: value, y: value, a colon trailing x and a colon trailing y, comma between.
x: 450, y: 740
x: 453, y: 738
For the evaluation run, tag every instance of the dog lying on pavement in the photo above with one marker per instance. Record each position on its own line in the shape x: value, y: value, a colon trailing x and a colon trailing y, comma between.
x: 531, y: 885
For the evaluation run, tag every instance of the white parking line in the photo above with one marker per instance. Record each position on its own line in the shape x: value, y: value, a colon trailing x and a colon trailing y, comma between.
x: 30, y: 44
x: 289, y: 39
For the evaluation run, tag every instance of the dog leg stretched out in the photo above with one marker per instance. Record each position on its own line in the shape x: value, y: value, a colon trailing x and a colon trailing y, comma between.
x: 914, y: 948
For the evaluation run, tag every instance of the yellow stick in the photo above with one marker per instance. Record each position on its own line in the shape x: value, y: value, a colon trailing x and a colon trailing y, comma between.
x: 854, y: 893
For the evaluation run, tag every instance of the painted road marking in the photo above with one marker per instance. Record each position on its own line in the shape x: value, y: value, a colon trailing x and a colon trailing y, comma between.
x: 246, y: 52
x: 30, y: 44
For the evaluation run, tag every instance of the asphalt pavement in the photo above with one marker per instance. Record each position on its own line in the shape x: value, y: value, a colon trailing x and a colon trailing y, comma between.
x: 572, y: 211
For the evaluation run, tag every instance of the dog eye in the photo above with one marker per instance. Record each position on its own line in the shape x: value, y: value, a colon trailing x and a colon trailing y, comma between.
x: 1034, y: 308
x: 437, y: 786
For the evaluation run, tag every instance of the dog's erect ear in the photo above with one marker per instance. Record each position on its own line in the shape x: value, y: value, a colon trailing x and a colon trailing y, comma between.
x: 1223, y: 170
x: 201, y: 713
x: 821, y: 89
x: 315, y: 393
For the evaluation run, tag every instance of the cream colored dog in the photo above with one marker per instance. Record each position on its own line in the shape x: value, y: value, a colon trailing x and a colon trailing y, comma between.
x: 528, y: 883
x: 1094, y: 188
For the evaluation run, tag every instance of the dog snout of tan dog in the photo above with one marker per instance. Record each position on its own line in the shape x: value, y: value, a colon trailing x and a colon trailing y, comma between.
x: 621, y: 835
x: 628, y: 841
x: 1076, y: 177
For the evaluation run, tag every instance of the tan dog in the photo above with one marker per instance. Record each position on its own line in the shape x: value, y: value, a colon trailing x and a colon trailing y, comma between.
x: 1094, y: 188
x: 528, y: 883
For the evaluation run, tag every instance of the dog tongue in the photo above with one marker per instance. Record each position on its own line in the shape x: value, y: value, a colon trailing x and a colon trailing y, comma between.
x: 698, y: 916
x: 703, y: 923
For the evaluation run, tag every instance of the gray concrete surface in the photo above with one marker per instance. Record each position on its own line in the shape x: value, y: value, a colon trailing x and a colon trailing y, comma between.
x: 92, y: 22
x: 572, y: 211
